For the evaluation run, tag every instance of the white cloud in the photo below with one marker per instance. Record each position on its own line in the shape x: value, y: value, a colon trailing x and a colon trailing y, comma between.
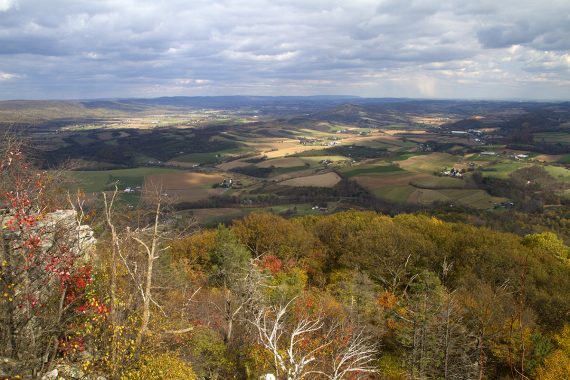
x: 7, y: 76
x: 6, y: 5
x: 365, y: 47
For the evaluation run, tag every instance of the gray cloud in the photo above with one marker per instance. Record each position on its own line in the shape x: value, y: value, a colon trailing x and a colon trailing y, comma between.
x: 441, y: 48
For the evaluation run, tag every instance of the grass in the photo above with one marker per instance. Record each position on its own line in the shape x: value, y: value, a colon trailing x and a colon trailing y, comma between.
x: 439, y: 183
x: 396, y: 194
x: 427, y: 196
x: 503, y: 169
x: 315, y: 161
x: 318, y: 180
x: 102, y: 180
x: 553, y: 137
x: 405, y: 156
x: 565, y: 159
x: 473, y: 198
x: 559, y: 173
x: 429, y: 163
x: 376, y: 169
x: 209, y: 157
x: 279, y: 171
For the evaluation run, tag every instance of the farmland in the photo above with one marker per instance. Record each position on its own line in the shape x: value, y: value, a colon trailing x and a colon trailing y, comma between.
x: 105, y: 180
x: 319, y: 180
x: 184, y: 186
x: 303, y: 151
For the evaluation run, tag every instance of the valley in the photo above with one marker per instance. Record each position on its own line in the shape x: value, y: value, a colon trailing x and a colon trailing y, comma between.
x: 299, y: 155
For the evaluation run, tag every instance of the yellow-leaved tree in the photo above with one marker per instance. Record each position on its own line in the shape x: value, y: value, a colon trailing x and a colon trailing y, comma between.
x: 557, y: 364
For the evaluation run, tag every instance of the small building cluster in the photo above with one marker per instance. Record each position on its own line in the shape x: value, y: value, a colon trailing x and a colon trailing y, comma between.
x: 227, y: 183
x: 452, y: 173
x: 132, y: 189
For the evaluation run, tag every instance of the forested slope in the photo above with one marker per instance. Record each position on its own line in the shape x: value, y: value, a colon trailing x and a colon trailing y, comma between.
x: 342, y: 296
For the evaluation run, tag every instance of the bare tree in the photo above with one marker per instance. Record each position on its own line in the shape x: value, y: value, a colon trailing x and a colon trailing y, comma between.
x: 358, y: 356
x: 115, y: 254
x: 152, y: 250
x: 288, y: 357
x: 297, y: 360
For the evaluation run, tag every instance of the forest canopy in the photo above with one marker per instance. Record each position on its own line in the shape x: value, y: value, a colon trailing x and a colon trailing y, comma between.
x: 354, y: 294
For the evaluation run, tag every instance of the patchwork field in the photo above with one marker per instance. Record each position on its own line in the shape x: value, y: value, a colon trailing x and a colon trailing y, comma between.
x: 317, y: 160
x: 430, y: 162
x: 503, y: 169
x: 210, y: 157
x: 104, y: 180
x: 399, y: 178
x: 370, y: 169
x: 413, y: 181
x: 233, y: 164
x: 319, y: 180
x: 398, y: 156
x: 553, y: 137
x: 552, y: 158
x: 559, y: 173
x: 185, y: 187
x: 288, y: 162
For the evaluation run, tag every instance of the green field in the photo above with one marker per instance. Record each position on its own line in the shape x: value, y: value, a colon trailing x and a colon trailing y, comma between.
x: 430, y: 163
x: 553, y: 137
x: 371, y: 169
x: 396, y: 194
x: 559, y: 173
x: 472, y: 198
x: 439, y: 183
x: 102, y: 180
x: 210, y: 157
x: 502, y: 169
x: 314, y: 161
x: 405, y: 156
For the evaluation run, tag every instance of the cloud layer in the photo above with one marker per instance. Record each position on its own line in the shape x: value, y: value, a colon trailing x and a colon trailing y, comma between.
x: 410, y: 48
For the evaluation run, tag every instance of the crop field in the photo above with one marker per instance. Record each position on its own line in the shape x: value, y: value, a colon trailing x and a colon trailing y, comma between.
x: 396, y: 194
x: 396, y: 156
x: 426, y: 197
x: 398, y: 178
x: 430, y: 162
x: 559, y: 173
x: 210, y: 157
x: 370, y: 169
x: 319, y: 180
x: 472, y: 197
x: 103, y: 180
x: 405, y: 155
x: 553, y: 158
x: 553, y: 137
x: 413, y: 181
x: 503, y: 169
x: 233, y: 164
x: 304, y: 172
x: 185, y: 186
x: 435, y: 183
x: 315, y: 161
x: 288, y: 162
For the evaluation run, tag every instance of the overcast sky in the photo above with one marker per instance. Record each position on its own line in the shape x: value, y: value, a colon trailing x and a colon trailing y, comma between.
x: 384, y: 48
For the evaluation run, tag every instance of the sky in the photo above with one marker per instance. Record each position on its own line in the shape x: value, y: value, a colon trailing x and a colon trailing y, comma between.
x: 480, y: 49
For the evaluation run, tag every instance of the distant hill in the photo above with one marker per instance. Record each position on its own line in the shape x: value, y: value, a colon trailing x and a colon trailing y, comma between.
x: 341, y: 108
